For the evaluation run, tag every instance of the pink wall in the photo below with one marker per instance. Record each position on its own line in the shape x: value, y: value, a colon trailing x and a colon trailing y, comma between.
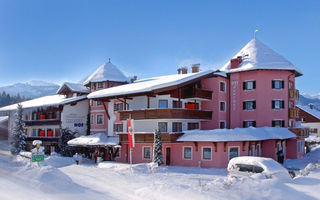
x: 213, y: 84
x: 263, y: 95
x: 292, y: 149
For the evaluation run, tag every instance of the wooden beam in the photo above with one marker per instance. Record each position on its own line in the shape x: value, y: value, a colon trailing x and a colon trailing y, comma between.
x: 106, y: 109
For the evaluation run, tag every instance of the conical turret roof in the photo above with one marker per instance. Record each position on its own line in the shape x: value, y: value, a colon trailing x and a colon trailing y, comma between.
x: 106, y: 72
x: 256, y: 55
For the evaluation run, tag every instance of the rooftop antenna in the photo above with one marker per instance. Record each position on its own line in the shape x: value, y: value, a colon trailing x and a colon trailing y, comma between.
x: 255, y: 33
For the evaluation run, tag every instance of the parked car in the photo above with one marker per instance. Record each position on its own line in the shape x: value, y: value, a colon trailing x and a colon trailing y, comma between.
x: 249, y: 165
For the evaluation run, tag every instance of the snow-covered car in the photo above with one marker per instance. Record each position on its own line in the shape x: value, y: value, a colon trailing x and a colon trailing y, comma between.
x: 249, y: 165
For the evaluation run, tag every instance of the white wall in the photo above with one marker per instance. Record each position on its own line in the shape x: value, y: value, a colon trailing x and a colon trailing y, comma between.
x: 73, y: 116
x: 312, y: 125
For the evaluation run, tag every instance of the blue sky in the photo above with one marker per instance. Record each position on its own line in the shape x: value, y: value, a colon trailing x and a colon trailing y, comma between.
x: 59, y: 41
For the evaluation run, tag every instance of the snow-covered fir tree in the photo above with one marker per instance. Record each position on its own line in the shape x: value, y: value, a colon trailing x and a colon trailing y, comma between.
x: 157, y: 150
x: 18, y: 137
x: 66, y: 135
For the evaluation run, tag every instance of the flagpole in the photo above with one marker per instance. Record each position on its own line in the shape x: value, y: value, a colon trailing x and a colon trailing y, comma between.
x: 130, y: 148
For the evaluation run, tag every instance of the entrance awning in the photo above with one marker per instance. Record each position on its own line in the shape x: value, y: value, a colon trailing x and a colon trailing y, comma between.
x: 95, y: 140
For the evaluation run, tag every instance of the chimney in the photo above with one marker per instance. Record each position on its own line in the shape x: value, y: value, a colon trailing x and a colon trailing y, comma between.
x: 134, y: 78
x: 235, y: 62
x: 310, y: 105
x: 184, y: 70
x: 195, y: 68
x: 179, y: 70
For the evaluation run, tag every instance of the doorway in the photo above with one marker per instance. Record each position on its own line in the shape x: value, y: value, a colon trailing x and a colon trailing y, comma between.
x: 168, y: 155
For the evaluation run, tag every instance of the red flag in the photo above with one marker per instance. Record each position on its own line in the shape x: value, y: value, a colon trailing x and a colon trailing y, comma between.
x: 130, y: 133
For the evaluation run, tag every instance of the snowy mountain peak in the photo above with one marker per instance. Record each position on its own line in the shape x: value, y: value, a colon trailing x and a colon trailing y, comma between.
x: 40, y: 83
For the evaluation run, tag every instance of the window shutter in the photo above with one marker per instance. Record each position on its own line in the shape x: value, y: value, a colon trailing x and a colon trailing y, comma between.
x: 244, y: 105
x: 254, y: 84
x: 273, y: 104
x: 254, y: 123
x: 282, y: 84
x: 254, y: 105
x: 272, y: 85
x: 282, y: 123
x: 282, y: 104
x: 244, y: 124
x: 273, y: 123
x: 244, y: 85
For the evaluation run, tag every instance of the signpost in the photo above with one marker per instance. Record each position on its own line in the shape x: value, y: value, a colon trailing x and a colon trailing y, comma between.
x: 37, y: 153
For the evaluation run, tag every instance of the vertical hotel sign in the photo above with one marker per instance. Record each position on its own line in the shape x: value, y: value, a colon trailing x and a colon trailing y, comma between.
x: 130, y: 129
x: 234, y: 87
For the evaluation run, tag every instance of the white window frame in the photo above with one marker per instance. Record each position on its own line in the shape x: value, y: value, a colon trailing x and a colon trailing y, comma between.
x: 233, y: 147
x: 102, y: 119
x: 225, y: 124
x: 284, y: 147
x: 149, y: 147
x: 225, y: 86
x: 251, y: 81
x: 300, y: 147
x: 225, y: 105
x: 252, y: 101
x: 119, y: 153
x: 252, y: 150
x: 278, y: 100
x: 206, y: 147
x: 101, y: 84
x: 279, y: 80
x: 258, y: 147
x: 183, y: 158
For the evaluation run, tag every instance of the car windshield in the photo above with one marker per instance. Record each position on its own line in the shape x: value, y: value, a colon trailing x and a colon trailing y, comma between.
x: 249, y: 168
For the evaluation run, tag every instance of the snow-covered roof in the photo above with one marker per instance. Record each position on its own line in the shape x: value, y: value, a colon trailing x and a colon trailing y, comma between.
x: 51, y: 100
x: 74, y: 87
x: 148, y: 84
x: 312, y: 111
x: 98, y: 139
x: 256, y: 55
x: 237, y: 134
x: 268, y: 164
x: 106, y: 72
x: 3, y: 119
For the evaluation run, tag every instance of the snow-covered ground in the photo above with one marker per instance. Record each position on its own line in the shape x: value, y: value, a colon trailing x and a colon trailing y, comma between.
x: 60, y: 178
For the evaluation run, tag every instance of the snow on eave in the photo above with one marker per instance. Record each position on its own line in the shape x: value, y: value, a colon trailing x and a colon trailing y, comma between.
x: 237, y: 134
x: 46, y: 101
x: 3, y: 119
x: 74, y: 87
x: 148, y: 85
x: 310, y: 111
x: 258, y: 56
x: 98, y: 139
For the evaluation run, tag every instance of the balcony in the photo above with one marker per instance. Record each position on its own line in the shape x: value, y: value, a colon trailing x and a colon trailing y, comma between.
x: 149, y: 138
x: 197, y: 94
x: 167, y: 113
x: 300, y: 132
x: 42, y: 122
x: 293, y: 113
x: 293, y: 94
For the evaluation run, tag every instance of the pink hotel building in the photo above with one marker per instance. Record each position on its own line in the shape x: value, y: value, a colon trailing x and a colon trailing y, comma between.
x: 205, y: 117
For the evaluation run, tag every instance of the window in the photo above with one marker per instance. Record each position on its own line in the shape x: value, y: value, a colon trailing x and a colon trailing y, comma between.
x: 192, y: 126
x: 251, y: 150
x: 99, y: 119
x: 34, y: 132
x: 91, y: 119
x: 277, y: 84
x: 258, y: 150
x: 146, y: 153
x: 118, y: 152
x: 118, y: 107
x: 192, y: 106
x: 206, y: 153
x: 99, y: 103
x: 118, y: 128
x: 163, y: 103
x: 176, y: 126
x: 91, y: 102
x: 278, y: 123
x: 176, y: 104
x: 300, y: 146
x: 222, y: 124
x: 100, y: 85
x: 163, y: 127
x: 249, y: 85
x: 34, y: 116
x: 277, y: 104
x: 233, y: 152
x: 222, y: 106
x: 247, y: 124
x: 249, y: 105
x: 222, y: 86
x: 187, y: 153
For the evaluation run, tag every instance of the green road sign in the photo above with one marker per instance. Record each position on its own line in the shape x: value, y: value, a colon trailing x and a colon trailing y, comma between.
x: 37, y: 158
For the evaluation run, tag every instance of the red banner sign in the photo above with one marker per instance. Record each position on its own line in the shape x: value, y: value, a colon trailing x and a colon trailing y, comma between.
x: 130, y: 133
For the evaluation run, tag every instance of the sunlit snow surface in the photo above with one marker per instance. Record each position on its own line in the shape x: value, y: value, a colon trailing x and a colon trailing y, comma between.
x: 60, y: 178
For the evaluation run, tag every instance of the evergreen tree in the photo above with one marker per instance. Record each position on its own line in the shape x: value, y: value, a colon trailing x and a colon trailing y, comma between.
x: 18, y: 138
x: 157, y: 149
x: 66, y: 135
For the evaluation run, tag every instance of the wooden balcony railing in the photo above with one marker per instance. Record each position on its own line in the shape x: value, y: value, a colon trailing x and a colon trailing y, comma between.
x: 293, y: 113
x: 149, y: 138
x: 167, y: 113
x: 42, y: 122
x: 197, y: 93
x: 300, y: 132
x: 293, y: 94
